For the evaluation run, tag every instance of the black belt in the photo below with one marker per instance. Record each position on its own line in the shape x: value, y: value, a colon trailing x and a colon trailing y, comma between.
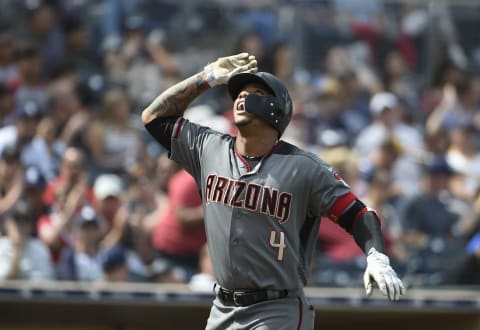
x: 246, y: 298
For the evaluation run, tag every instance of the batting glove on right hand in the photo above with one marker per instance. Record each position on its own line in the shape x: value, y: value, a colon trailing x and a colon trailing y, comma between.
x: 379, y: 270
x: 223, y: 68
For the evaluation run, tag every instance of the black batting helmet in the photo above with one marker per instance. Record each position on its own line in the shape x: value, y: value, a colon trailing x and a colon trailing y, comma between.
x: 275, y: 109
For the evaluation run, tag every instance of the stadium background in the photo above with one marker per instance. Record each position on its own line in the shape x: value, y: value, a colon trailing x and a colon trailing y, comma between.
x: 429, y: 35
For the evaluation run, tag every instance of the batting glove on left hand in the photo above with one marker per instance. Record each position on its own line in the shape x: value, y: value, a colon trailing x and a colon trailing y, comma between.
x: 222, y: 69
x: 379, y: 270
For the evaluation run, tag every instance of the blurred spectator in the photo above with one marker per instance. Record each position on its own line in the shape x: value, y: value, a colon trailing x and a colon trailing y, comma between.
x: 432, y: 220
x: 65, y: 195
x: 399, y: 79
x: 445, y: 75
x: 436, y: 143
x: 459, y: 103
x: 127, y: 226
x: 141, y: 191
x: 463, y: 157
x: 337, y: 61
x: 384, y: 108
x: 72, y: 172
x: 91, y: 12
x: 8, y: 69
x: 117, y: 13
x: 142, y: 205
x: 385, y: 159
x: 22, y: 256
x: 413, y: 25
x: 321, y: 113
x: 115, y: 145
x: 280, y: 62
x: 252, y: 42
x: 47, y: 130
x: 34, y: 188
x: 82, y: 261
x: 427, y: 215
x: 155, y: 67
x: 143, y: 63
x: 78, y: 50
x: 30, y: 84
x: 353, y: 114
x: 65, y: 109
x: 147, y: 201
x: 42, y: 26
x: 11, y: 178
x: 6, y: 107
x: 34, y: 151
x: 466, y: 270
x: 180, y: 234
x: 114, y: 264
x: 387, y: 125
x: 258, y: 14
x: 111, y: 208
x: 120, y: 55
x: 165, y: 169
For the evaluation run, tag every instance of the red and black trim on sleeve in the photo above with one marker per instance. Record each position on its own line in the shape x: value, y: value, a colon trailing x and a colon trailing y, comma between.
x: 339, y: 206
x: 346, y: 210
x: 178, y: 127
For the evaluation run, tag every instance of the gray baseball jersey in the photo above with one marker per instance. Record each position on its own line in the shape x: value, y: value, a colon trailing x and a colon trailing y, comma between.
x: 261, y: 222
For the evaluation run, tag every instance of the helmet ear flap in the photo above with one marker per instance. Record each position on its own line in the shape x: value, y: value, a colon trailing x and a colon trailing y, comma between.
x: 266, y: 107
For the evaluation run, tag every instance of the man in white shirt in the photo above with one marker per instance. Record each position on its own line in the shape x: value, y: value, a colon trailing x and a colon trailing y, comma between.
x: 34, y: 150
x: 23, y: 256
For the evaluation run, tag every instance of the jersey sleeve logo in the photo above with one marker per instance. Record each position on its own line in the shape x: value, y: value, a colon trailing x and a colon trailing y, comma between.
x: 337, y: 176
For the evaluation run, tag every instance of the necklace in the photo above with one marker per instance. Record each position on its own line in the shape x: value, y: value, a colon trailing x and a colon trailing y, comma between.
x: 253, y: 157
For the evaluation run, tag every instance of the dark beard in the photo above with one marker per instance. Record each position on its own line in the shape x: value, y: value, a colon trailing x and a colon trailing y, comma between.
x: 243, y: 122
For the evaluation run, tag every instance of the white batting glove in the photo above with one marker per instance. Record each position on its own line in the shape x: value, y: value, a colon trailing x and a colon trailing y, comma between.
x: 223, y: 68
x: 379, y: 270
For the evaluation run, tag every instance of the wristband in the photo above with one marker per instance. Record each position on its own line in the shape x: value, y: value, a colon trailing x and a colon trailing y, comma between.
x: 209, y: 76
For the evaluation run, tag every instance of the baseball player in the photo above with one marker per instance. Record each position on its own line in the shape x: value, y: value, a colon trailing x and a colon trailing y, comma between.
x: 262, y: 199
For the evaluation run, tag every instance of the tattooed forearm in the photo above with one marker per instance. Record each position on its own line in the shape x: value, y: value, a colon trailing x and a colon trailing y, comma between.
x: 174, y: 100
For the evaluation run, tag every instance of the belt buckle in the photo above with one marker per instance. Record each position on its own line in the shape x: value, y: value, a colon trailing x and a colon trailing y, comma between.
x: 235, y: 298
x: 235, y: 295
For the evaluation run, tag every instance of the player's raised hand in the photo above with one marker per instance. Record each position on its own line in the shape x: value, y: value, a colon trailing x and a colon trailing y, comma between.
x: 223, y: 68
x: 379, y: 270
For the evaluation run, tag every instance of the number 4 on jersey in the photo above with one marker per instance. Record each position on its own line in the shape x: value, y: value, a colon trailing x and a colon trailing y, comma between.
x: 280, y: 245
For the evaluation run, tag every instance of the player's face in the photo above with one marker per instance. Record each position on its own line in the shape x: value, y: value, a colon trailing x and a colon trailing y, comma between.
x: 240, y: 116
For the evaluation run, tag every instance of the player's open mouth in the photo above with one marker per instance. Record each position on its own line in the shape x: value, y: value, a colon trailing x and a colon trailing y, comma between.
x: 240, y: 107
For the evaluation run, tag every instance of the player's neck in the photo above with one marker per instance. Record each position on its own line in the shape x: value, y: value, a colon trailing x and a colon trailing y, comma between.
x: 255, y: 145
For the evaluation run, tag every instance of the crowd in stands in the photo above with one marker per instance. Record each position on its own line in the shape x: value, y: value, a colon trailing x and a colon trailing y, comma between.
x: 386, y: 92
